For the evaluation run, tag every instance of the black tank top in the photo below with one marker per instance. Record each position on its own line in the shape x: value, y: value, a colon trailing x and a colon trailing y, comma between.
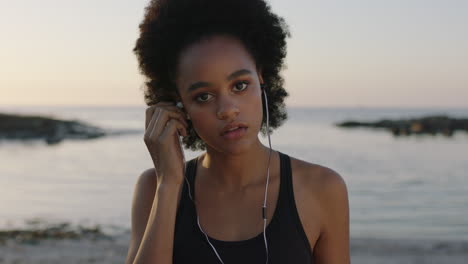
x: 287, y: 241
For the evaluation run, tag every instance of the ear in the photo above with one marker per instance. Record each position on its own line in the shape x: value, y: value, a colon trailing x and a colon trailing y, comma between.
x: 260, y: 76
x: 176, y: 97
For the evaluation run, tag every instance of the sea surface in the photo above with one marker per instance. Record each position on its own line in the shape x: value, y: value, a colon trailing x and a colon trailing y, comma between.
x: 399, y: 188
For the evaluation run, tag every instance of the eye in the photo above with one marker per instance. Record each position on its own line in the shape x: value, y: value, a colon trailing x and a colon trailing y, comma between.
x: 202, y: 97
x: 241, y: 85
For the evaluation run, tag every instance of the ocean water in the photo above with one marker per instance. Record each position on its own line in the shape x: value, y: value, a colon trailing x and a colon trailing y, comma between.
x: 399, y: 188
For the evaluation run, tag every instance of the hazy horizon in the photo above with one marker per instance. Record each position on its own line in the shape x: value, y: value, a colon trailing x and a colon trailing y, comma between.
x: 366, y: 53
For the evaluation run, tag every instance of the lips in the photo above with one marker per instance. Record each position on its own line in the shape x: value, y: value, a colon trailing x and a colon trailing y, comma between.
x: 232, y: 127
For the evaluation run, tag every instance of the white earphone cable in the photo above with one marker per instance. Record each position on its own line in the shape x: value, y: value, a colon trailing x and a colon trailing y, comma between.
x: 268, y: 178
x: 264, y: 215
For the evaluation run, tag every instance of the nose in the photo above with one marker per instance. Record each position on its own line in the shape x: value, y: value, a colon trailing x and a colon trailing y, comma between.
x: 227, y: 109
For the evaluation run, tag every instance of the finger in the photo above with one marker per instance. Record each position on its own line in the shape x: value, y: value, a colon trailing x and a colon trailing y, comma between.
x: 175, y: 115
x: 168, y: 107
x: 179, y: 111
x: 151, y: 109
x: 151, y: 112
x: 181, y: 129
x: 154, y: 121
x: 164, y: 117
x: 171, y: 130
x: 149, y: 115
x: 170, y: 133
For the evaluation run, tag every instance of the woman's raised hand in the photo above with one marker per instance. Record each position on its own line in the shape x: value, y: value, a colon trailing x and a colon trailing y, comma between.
x: 163, y: 122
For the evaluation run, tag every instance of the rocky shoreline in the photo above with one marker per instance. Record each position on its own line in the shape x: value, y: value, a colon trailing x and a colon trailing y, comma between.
x: 429, y: 125
x: 97, y: 247
x: 51, y: 130
x: 41, y: 241
x: 33, y: 234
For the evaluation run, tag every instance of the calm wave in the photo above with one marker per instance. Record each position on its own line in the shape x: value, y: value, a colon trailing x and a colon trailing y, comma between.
x: 402, y: 188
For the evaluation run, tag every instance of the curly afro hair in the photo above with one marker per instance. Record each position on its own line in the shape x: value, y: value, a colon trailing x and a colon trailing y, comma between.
x: 169, y: 26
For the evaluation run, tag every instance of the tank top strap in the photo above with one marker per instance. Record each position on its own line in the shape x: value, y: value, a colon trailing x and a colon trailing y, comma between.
x: 185, y: 201
x: 190, y: 171
x: 286, y: 175
x: 288, y: 201
x: 287, y: 241
x: 282, y: 203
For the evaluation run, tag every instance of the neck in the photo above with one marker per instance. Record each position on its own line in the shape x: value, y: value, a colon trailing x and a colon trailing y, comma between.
x: 236, y: 172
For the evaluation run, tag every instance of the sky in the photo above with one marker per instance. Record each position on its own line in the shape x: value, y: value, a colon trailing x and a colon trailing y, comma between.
x: 360, y: 53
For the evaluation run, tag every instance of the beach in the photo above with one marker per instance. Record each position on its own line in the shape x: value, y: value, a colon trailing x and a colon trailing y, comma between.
x: 114, y: 250
x: 407, y: 195
x: 372, y: 94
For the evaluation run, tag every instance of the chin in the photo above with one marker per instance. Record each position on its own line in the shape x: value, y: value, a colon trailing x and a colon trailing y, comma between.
x: 231, y: 148
x: 234, y: 147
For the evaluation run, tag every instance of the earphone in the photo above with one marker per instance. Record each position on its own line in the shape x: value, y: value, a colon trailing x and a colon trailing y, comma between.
x: 264, y: 215
x: 180, y: 106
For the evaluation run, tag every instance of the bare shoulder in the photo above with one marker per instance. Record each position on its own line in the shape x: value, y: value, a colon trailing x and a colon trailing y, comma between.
x: 322, y: 201
x: 319, y: 181
x: 143, y: 196
x: 146, y: 182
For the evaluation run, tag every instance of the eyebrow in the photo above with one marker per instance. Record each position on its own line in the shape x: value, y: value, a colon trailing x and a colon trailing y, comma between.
x: 233, y: 75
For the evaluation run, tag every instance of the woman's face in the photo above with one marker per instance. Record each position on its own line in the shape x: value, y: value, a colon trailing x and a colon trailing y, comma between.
x: 218, y: 83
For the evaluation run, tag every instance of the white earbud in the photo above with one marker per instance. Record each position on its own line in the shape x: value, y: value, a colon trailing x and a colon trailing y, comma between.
x: 180, y: 106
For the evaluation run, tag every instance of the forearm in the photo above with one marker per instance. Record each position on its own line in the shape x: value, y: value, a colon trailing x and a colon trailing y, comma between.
x: 157, y: 243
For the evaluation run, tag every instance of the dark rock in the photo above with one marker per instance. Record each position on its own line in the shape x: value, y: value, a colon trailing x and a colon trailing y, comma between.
x: 51, y: 130
x: 34, y: 234
x: 432, y: 125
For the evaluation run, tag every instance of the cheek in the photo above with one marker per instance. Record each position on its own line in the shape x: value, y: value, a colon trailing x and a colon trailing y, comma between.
x: 201, y: 124
x: 251, y: 111
x: 255, y: 107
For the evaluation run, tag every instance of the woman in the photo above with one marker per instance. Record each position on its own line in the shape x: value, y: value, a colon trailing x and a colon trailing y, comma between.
x: 213, y: 77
